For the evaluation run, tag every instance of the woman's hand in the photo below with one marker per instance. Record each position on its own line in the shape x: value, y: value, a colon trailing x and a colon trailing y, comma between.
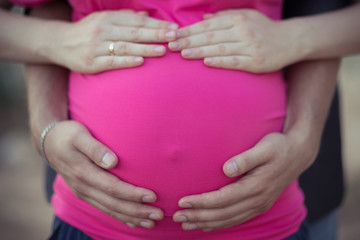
x: 238, y: 39
x: 272, y: 164
x: 84, y: 46
x: 79, y: 159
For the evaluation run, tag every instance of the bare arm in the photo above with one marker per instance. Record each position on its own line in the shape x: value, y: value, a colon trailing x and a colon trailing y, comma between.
x: 274, y: 162
x: 83, y: 46
x: 247, y: 40
x: 328, y: 35
x: 76, y: 155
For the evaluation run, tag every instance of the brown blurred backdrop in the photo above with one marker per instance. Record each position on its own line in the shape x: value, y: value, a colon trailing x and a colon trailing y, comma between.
x: 24, y: 213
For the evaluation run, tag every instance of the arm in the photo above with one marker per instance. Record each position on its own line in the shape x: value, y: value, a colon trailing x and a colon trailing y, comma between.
x: 69, y: 141
x: 83, y: 46
x: 274, y: 162
x: 328, y: 35
x: 247, y: 40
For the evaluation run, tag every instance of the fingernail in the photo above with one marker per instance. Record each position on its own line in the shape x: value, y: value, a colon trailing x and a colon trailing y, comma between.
x: 154, y: 216
x: 145, y: 224
x: 186, y: 205
x: 178, y: 34
x: 187, y: 52
x: 159, y: 49
x: 174, y: 45
x: 148, y: 199
x: 180, y: 219
x: 170, y: 34
x: 173, y: 26
x: 138, y: 59
x: 231, y: 169
x: 190, y: 226
x: 131, y: 225
x: 108, y: 159
x: 208, y: 61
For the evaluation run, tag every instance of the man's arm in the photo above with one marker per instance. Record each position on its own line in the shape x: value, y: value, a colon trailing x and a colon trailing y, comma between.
x: 273, y: 163
x: 76, y: 155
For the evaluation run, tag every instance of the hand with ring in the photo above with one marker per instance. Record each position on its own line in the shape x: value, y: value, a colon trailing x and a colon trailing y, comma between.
x: 110, y: 40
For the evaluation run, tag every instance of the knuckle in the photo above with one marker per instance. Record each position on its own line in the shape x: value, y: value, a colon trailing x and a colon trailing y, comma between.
x: 142, y: 20
x: 235, y: 62
x: 123, y: 48
x: 81, y: 177
x: 239, y: 17
x: 205, y: 24
x: 159, y: 35
x: 209, y: 36
x: 222, y: 49
x: 110, y: 62
x: 135, y: 33
x: 184, y: 42
x: 259, y: 189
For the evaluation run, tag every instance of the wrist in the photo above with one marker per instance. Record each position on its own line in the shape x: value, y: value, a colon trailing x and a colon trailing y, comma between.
x: 298, y: 30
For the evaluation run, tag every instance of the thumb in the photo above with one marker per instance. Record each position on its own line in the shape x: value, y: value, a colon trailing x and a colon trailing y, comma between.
x: 248, y: 160
x: 95, y: 151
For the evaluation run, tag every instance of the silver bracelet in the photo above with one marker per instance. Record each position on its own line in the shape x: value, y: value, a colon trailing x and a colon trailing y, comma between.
x: 43, y: 136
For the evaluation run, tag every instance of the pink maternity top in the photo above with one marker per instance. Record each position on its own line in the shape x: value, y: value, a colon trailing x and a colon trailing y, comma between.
x: 173, y: 123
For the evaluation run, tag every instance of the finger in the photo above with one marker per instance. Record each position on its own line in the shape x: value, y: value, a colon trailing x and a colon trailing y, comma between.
x: 105, y: 63
x: 236, y: 62
x: 116, y: 205
x: 141, y: 20
x: 132, y: 49
x: 223, y: 49
x: 203, y: 39
x: 106, y: 182
x: 248, y: 160
x: 236, y: 220
x: 95, y: 151
x: 132, y: 222
x: 224, y: 197
x: 139, y: 34
x: 211, y: 24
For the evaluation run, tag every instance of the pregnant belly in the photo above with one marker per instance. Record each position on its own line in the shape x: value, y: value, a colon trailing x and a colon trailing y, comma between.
x: 174, y: 122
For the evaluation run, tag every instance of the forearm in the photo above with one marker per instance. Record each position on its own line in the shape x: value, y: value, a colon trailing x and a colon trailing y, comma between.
x: 311, y: 88
x: 47, y: 97
x: 46, y: 84
x: 328, y: 35
x: 30, y: 39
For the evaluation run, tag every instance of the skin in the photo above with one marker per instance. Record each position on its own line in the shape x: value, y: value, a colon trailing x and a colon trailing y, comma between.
x: 124, y: 201
x: 275, y: 161
x: 249, y: 41
x: 84, y: 46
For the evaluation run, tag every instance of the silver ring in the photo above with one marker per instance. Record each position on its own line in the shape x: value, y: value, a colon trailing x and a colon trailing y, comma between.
x: 112, y: 49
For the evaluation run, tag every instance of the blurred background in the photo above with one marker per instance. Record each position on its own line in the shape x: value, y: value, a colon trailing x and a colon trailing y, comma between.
x: 24, y: 212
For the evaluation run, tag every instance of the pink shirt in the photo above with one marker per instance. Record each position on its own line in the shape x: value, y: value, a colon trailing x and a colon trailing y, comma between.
x: 173, y: 123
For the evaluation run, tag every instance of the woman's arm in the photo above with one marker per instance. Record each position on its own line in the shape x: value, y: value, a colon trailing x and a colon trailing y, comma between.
x: 84, y: 46
x: 328, y: 35
x: 247, y: 40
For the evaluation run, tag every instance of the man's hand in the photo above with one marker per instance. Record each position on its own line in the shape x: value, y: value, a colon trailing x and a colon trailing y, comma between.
x: 238, y: 39
x: 267, y: 168
x: 78, y: 157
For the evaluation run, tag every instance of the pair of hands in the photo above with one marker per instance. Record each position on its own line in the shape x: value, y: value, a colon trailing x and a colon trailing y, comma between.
x: 232, y: 39
x: 269, y: 167
x: 236, y: 39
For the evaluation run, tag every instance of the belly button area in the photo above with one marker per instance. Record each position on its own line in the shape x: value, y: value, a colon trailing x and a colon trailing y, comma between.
x: 174, y: 153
